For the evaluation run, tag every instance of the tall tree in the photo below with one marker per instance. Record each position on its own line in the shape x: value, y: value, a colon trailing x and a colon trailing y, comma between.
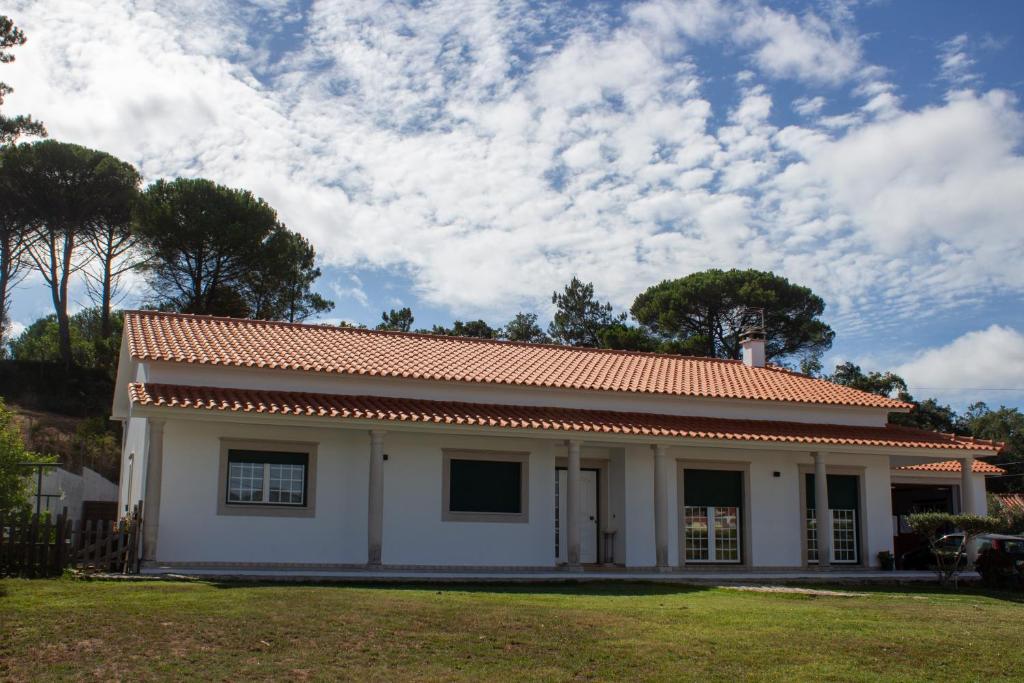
x: 579, y: 317
x: 15, y: 237
x: 524, y: 328
x: 203, y: 242
x: 706, y: 314
x: 66, y: 191
x: 11, y: 128
x: 113, y: 245
x: 471, y: 328
x: 881, y: 383
x: 280, y: 288
x: 399, y: 320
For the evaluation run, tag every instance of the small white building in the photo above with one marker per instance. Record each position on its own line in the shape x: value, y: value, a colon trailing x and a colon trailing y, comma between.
x: 62, y: 490
x: 275, y: 445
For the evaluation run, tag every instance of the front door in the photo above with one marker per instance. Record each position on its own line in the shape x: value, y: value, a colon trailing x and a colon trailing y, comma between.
x: 588, y: 516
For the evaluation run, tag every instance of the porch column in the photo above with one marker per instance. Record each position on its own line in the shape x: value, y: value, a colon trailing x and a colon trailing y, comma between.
x: 375, y: 516
x: 572, y: 506
x: 968, y: 502
x: 967, y: 486
x: 661, y: 475
x: 151, y: 504
x: 821, y: 516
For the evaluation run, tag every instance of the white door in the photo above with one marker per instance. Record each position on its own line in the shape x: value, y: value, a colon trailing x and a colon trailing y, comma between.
x: 588, y: 516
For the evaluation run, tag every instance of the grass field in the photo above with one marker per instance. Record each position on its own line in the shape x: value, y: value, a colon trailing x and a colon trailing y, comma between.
x: 73, y: 629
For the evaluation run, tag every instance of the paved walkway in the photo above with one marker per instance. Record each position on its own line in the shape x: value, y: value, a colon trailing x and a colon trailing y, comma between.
x: 862, y: 576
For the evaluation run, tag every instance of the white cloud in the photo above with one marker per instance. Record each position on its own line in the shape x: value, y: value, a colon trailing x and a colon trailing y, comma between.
x: 489, y: 151
x: 956, y: 63
x: 985, y: 364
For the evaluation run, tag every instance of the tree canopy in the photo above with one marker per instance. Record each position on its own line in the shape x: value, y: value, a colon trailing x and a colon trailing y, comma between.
x: 217, y: 250
x: 579, y: 316
x: 470, y: 328
x: 399, y: 320
x: 67, y: 193
x: 13, y: 127
x: 706, y: 314
x: 524, y: 328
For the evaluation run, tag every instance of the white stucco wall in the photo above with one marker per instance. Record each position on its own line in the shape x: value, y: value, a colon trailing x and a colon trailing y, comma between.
x: 192, y: 531
x: 414, y: 533
x: 132, y: 469
x: 413, y: 530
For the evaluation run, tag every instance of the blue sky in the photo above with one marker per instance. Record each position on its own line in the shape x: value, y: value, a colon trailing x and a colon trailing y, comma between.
x: 465, y: 159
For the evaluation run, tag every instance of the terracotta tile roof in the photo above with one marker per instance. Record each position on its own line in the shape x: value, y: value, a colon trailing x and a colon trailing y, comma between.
x: 249, y: 343
x: 1012, y: 501
x: 533, y: 417
x: 979, y: 467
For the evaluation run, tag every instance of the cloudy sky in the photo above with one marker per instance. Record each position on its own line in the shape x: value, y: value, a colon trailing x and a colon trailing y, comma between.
x: 466, y: 158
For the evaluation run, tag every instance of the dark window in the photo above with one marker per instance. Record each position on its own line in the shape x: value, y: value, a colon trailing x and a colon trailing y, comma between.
x: 485, y: 486
x: 842, y: 491
x: 267, y: 478
x: 717, y: 488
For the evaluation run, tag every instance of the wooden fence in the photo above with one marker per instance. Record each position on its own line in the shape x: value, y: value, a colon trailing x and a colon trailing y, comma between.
x: 37, y: 545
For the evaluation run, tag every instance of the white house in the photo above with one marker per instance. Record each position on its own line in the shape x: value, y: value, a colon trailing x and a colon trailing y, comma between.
x: 275, y: 445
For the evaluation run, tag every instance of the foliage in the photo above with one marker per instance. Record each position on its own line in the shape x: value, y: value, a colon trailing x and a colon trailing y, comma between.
x: 883, y: 384
x: 524, y: 328
x: 52, y: 387
x: 933, y: 525
x: 281, y: 289
x: 15, y: 487
x: 90, y: 349
x: 471, y: 328
x: 15, y: 239
x: 67, y: 192
x: 216, y: 250
x: 927, y: 414
x: 396, y: 320
x: 618, y: 335
x: 11, y: 128
x: 1011, y: 519
x: 706, y: 314
x: 579, y: 317
x: 1005, y: 425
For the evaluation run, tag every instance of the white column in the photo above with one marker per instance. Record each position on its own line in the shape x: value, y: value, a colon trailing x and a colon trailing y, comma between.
x: 821, y: 515
x: 661, y: 477
x: 375, y: 516
x: 151, y: 504
x: 967, y: 497
x: 968, y: 503
x: 572, y: 505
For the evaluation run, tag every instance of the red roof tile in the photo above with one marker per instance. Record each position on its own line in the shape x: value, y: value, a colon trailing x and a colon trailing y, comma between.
x: 979, y: 467
x: 533, y: 417
x: 1012, y: 501
x: 319, y: 348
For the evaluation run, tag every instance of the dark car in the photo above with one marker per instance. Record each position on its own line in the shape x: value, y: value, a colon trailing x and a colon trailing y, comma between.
x: 923, y: 557
x: 1001, y: 560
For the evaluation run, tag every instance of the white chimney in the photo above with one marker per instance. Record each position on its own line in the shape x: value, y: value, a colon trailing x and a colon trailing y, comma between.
x: 753, y: 347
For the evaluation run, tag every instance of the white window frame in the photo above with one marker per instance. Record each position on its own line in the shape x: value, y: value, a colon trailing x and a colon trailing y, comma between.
x: 712, y: 544
x: 265, y: 508
x: 265, y: 492
x: 851, y: 542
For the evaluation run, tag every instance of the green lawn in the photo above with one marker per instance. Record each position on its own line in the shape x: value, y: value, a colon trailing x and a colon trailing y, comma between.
x: 74, y: 629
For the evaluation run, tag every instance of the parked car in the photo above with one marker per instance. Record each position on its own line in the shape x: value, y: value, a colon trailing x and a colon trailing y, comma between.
x: 1001, y: 560
x: 923, y: 557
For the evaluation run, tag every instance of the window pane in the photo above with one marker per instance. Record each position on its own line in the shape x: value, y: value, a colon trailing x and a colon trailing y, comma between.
x: 727, y: 534
x: 485, y: 486
x: 287, y: 483
x: 245, y: 482
x: 695, y: 520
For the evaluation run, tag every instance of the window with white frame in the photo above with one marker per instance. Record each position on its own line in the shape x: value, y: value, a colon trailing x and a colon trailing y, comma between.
x: 712, y: 503
x: 843, y: 500
x: 271, y: 478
